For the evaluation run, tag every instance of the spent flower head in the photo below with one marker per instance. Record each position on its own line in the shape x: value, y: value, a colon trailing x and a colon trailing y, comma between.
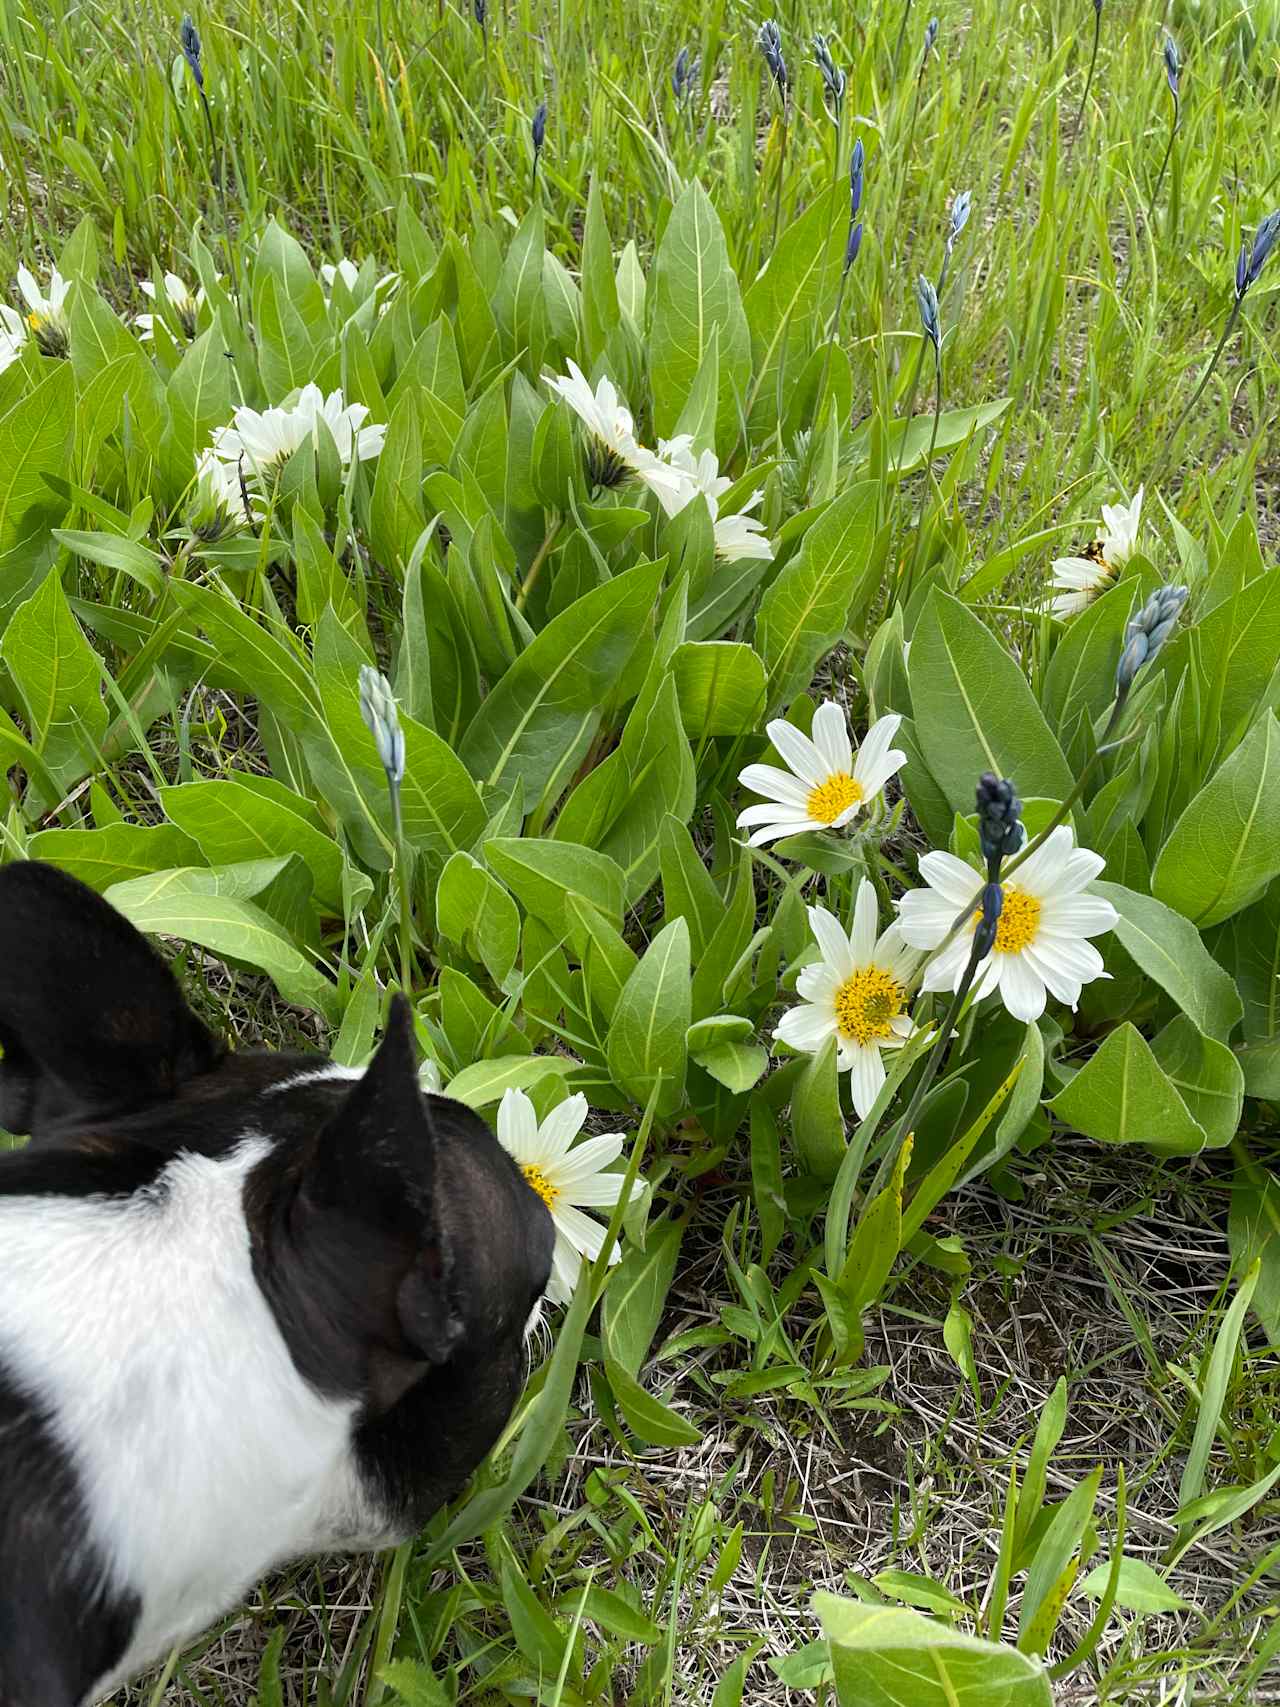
x: 189, y: 36
x: 1147, y: 633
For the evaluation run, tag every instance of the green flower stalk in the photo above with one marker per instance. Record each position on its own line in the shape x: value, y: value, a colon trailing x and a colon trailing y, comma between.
x: 382, y: 719
x: 770, y: 43
x: 1173, y: 76
x: 1088, y: 82
x: 193, y: 53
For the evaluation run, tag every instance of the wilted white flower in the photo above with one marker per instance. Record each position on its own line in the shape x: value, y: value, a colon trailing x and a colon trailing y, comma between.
x: 269, y: 437
x: 615, y: 452
x: 46, y: 320
x: 825, y: 785
x: 567, y: 1178
x: 1083, y: 578
x: 1040, y: 941
x: 184, y: 302
x: 856, y: 993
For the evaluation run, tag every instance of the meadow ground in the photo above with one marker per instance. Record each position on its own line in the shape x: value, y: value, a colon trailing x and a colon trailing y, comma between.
x: 1076, y: 1269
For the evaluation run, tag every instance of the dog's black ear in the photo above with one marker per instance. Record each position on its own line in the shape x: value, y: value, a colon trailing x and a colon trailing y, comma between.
x: 92, y: 1021
x: 375, y: 1162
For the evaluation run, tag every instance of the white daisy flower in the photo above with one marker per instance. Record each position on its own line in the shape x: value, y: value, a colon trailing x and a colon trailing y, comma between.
x: 13, y: 335
x: 46, y: 319
x: 1040, y: 942
x: 736, y: 536
x: 184, y: 302
x: 217, y: 506
x: 615, y: 452
x: 1083, y: 578
x: 566, y: 1179
x: 856, y: 993
x: 269, y: 437
x: 826, y: 785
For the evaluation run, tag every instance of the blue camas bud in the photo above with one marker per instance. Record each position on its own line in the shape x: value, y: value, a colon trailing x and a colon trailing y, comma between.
x: 538, y: 129
x: 853, y: 245
x: 927, y: 297
x: 190, y: 38
x: 1252, y: 260
x: 1172, y: 65
x: 382, y: 719
x: 930, y: 36
x: 857, y: 162
x: 984, y: 937
x: 833, y: 78
x: 680, y: 73
x: 1147, y: 633
x: 1000, y: 828
x: 960, y: 210
x: 480, y: 9
x: 770, y: 40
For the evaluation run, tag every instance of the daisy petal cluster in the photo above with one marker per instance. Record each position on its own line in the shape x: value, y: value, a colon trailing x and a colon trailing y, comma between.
x: 1082, y: 579
x: 46, y: 317
x: 737, y: 535
x: 184, y: 303
x: 217, y: 506
x: 614, y: 452
x: 1041, y: 946
x: 347, y: 270
x: 267, y: 438
x: 825, y: 785
x: 13, y: 335
x: 855, y: 992
x: 567, y: 1177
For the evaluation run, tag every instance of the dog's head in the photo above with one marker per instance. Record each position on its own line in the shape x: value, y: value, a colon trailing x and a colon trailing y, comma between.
x: 396, y: 1241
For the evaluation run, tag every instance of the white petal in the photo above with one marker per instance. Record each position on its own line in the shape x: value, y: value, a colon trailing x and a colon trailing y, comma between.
x: 585, y: 1234
x: 517, y: 1125
x: 561, y: 1127
x: 1058, y: 980
x: 1077, y: 915
x: 1079, y: 960
x: 1080, y: 867
x: 799, y: 752
x: 830, y: 936
x: 775, y: 832
x: 600, y: 1191
x: 30, y: 292
x: 878, y: 740
x: 773, y: 812
x: 925, y: 918
x: 1021, y: 990
x: 1077, y: 573
x: 866, y: 1075
x: 873, y: 776
x: 588, y: 1158
x: 817, y: 983
x: 952, y: 878
x: 946, y: 969
x: 775, y: 784
x: 566, y: 1265
x: 1041, y: 875
x: 806, y: 1027
x: 866, y: 923
x: 831, y: 737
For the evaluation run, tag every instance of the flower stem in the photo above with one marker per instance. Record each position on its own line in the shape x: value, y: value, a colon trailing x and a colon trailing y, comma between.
x: 1088, y: 82
x: 406, y: 904
x: 902, y: 36
x: 1164, y: 164
x: 777, y: 188
x: 1206, y: 375
x: 928, y: 470
x: 540, y: 557
x: 218, y: 180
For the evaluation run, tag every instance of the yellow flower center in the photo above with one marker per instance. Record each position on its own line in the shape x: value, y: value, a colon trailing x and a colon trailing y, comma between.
x: 35, y: 321
x: 538, y: 1181
x: 832, y: 797
x: 1019, y: 922
x: 866, y: 1003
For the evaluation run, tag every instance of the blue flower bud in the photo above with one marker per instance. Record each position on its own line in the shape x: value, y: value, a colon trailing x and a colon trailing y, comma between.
x: 538, y: 129
x: 190, y: 38
x: 1147, y: 633
x: 930, y: 36
x: 1172, y: 64
x: 853, y: 245
x: 1000, y: 828
x: 927, y: 298
x: 856, y: 164
x: 680, y: 74
x: 382, y: 719
x: 960, y: 210
x: 832, y: 76
x: 770, y: 40
x: 984, y: 937
x: 480, y: 10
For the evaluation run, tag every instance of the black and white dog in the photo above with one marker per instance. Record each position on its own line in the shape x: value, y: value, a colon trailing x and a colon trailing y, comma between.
x: 252, y: 1306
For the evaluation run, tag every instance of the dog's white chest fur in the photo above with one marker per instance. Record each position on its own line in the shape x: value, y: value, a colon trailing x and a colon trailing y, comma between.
x: 203, y: 1456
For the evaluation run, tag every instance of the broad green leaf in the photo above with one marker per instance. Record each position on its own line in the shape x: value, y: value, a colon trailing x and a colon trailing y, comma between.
x: 695, y: 293
x: 1140, y: 1588
x: 908, y: 442
x: 232, y: 822
x: 259, y: 662
x: 1081, y: 673
x: 1249, y: 946
x: 817, y: 1124
x: 611, y: 1612
x: 648, y: 1418
x: 1213, y: 1391
x: 647, y: 1035
x: 169, y: 904
x: 36, y: 436
x: 736, y: 1066
x: 396, y: 516
x: 542, y: 874
x: 1206, y: 1076
x: 538, y: 1636
x: 1053, y: 1570
x: 115, y: 852
x: 975, y: 712
x: 475, y: 911
x: 1168, y: 949
x: 788, y: 302
x: 721, y: 686
x: 886, y: 1656
x: 688, y: 889
x: 200, y: 399
x: 539, y: 719
x: 1253, y: 1233
x: 1225, y: 848
x: 806, y: 608
x: 637, y: 1293
x: 877, y: 1239
x: 600, y: 311
x: 606, y: 960
x: 114, y: 551
x: 59, y: 676
x: 1123, y: 1096
x: 286, y: 352
x: 485, y: 1082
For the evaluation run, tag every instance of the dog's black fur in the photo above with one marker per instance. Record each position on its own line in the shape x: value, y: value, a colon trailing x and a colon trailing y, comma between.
x: 396, y: 1243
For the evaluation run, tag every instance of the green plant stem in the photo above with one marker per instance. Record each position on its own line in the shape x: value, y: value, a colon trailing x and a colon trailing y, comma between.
x: 1204, y: 380
x: 777, y: 187
x: 902, y: 36
x: 218, y: 179
x: 406, y: 903
x: 1088, y: 82
x: 1164, y: 164
x: 928, y: 469
x: 540, y: 557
